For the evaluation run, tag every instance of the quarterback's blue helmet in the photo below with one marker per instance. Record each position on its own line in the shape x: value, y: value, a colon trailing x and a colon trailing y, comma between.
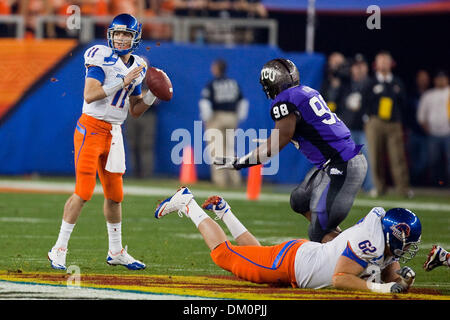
x: 402, y: 231
x: 128, y: 23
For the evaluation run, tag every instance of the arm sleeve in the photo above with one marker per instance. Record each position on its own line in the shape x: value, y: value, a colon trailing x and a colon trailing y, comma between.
x: 96, y: 73
x: 137, y: 90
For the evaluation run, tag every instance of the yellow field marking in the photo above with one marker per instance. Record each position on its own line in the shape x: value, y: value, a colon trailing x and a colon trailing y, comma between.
x: 203, y: 286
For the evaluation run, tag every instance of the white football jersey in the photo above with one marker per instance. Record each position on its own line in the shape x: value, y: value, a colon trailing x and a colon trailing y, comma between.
x: 363, y: 243
x: 113, y: 108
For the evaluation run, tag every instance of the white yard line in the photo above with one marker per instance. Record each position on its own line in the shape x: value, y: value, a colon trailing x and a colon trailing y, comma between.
x: 20, y: 290
x: 65, y: 187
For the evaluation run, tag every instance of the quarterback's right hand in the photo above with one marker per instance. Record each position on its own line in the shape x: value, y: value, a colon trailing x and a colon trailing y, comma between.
x: 133, y: 74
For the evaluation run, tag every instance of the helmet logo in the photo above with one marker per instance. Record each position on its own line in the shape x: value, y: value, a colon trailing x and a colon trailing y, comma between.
x: 120, y: 27
x: 268, y: 73
x: 401, y: 231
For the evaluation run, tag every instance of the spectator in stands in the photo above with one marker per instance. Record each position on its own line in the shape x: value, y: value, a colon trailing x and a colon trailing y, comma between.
x: 158, y: 30
x: 417, y: 140
x: 386, y: 102
x: 5, y: 7
x: 222, y: 106
x: 256, y: 9
x: 337, y: 72
x: 30, y: 10
x: 191, y: 8
x: 353, y: 112
x: 434, y: 117
x: 133, y: 7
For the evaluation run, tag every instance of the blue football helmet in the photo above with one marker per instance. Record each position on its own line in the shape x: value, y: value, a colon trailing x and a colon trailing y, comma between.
x: 128, y: 23
x: 402, y: 231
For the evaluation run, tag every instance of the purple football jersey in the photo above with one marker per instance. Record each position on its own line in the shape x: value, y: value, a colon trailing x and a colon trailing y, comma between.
x: 319, y: 134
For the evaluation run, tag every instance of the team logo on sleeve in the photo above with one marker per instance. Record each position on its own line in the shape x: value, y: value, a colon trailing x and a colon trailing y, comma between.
x: 401, y: 231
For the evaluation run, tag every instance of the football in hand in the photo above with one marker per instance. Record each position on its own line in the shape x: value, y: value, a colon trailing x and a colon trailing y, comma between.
x: 159, y: 83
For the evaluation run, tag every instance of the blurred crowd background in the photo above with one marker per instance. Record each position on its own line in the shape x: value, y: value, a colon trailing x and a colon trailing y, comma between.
x: 31, y: 9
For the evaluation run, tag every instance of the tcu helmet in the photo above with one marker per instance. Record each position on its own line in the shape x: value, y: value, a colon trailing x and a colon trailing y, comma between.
x: 402, y: 231
x: 128, y: 23
x: 278, y: 75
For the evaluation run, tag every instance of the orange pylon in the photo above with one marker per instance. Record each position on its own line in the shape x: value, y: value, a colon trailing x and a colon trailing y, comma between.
x: 254, y: 182
x: 188, y: 172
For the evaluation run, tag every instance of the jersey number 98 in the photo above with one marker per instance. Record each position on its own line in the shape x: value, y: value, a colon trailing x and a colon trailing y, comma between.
x: 280, y: 111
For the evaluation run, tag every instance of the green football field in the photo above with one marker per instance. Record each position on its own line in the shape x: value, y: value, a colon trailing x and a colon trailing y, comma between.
x: 30, y: 221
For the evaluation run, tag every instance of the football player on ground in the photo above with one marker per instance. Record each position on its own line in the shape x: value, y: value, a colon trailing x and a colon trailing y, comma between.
x: 112, y: 89
x: 302, y: 117
x: 381, y: 238
x: 437, y: 257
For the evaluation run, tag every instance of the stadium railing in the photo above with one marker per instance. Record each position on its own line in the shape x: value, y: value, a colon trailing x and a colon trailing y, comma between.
x: 181, y: 26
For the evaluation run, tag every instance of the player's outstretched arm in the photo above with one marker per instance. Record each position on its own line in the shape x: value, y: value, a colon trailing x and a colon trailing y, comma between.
x: 284, y: 131
x: 346, y: 275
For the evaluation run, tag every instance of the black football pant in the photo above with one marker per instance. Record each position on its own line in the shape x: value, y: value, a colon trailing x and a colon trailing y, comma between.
x: 329, y: 194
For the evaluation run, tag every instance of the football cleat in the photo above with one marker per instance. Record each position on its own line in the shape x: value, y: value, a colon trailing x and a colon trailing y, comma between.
x: 436, y: 257
x: 57, y: 258
x: 178, y: 202
x: 218, y: 205
x: 124, y: 259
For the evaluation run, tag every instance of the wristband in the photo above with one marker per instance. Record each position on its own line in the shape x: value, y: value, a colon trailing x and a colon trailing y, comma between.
x: 380, y: 287
x: 149, y: 98
x: 113, y: 87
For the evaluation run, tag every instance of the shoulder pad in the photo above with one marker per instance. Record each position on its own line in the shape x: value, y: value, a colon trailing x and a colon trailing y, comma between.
x: 378, y: 211
x: 96, y: 55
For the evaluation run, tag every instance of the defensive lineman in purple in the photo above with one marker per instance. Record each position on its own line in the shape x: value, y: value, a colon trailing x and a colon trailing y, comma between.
x: 302, y: 117
x: 319, y: 134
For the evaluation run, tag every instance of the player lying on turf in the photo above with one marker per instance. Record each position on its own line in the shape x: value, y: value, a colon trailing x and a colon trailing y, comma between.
x: 380, y: 239
x: 437, y: 257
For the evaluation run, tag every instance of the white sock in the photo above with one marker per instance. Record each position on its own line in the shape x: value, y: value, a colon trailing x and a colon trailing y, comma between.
x: 233, y: 224
x: 115, y: 237
x: 64, y: 235
x: 195, y: 212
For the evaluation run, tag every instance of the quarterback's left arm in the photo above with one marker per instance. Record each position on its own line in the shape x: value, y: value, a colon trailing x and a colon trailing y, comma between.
x: 141, y: 103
